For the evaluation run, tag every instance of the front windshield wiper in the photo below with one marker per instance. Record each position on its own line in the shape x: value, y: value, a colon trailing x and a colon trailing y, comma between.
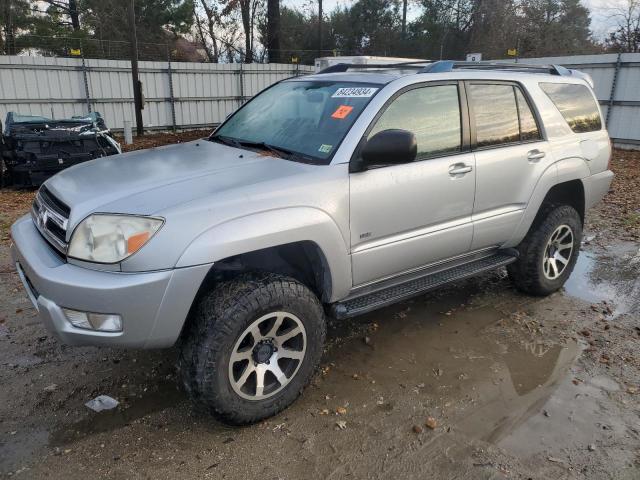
x: 279, y: 152
x: 232, y: 142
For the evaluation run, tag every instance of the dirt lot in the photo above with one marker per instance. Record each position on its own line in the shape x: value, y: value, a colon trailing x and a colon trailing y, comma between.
x: 473, y: 381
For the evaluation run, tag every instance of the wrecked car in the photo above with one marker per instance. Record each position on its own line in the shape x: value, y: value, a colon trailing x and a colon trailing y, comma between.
x: 34, y: 148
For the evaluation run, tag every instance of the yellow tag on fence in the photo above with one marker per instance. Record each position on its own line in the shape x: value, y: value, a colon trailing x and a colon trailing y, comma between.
x: 75, y: 52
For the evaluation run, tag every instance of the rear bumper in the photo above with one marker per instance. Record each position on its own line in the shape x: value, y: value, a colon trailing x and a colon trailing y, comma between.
x: 596, y: 187
x: 153, y: 305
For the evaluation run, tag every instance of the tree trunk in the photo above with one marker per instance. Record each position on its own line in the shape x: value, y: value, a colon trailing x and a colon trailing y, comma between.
x: 273, y: 30
x: 73, y: 13
x: 245, y: 12
x: 404, y: 19
x: 8, y: 28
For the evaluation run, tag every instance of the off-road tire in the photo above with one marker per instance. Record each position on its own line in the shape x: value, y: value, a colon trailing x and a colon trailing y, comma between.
x: 218, y: 320
x: 527, y: 272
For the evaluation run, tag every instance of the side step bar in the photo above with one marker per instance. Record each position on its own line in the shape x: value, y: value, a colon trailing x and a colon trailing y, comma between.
x: 372, y: 301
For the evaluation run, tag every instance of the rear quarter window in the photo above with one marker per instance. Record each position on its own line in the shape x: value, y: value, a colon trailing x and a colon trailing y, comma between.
x: 576, y: 104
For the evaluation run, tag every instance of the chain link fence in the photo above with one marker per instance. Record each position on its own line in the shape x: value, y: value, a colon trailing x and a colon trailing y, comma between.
x: 175, y: 50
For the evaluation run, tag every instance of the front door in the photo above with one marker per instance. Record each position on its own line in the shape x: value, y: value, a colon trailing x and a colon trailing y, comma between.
x: 407, y: 216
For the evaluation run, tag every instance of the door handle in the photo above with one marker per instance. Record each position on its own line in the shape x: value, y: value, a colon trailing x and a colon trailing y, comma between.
x: 535, y: 155
x: 459, y: 169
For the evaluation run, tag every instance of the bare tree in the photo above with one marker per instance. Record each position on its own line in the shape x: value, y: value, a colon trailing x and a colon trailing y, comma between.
x: 68, y: 8
x: 248, y: 11
x: 626, y: 38
x: 216, y: 30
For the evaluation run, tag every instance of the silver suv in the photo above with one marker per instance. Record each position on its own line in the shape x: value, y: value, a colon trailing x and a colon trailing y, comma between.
x: 333, y: 194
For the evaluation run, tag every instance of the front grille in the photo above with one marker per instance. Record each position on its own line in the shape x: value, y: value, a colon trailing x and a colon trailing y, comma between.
x: 53, y: 202
x: 51, y: 217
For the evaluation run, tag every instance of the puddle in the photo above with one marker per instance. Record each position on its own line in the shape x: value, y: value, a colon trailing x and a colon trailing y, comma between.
x: 166, y: 395
x: 611, y: 276
x: 475, y: 379
x: 576, y: 416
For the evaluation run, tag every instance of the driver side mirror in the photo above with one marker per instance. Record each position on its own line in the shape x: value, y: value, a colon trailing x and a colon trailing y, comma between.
x: 388, y: 147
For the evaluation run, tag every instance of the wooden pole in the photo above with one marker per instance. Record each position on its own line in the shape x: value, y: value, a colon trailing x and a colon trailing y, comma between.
x: 137, y: 93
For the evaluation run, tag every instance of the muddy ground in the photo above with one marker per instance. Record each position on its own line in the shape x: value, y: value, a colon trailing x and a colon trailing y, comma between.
x: 510, y: 386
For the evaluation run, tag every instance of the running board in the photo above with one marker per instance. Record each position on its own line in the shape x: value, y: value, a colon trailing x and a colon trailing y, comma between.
x: 372, y: 301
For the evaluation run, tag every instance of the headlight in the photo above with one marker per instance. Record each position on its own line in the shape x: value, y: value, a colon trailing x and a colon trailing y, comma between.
x: 105, y: 238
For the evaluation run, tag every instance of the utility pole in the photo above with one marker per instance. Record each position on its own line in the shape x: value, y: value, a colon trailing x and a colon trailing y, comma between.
x: 319, y: 28
x: 137, y: 87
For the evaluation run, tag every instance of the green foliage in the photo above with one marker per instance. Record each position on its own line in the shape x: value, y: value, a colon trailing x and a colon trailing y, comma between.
x: 441, y: 29
x: 15, y: 18
x: 154, y: 18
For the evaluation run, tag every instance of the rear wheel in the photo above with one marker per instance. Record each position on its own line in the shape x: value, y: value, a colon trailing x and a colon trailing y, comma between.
x: 549, y: 252
x: 252, y: 346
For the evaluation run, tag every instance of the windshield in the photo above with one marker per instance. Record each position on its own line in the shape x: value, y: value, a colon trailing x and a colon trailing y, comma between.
x: 299, y: 120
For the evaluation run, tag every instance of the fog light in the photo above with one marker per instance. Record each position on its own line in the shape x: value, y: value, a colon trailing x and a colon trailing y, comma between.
x: 94, y: 321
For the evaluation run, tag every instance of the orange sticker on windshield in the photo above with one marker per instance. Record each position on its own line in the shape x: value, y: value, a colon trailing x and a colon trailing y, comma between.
x: 341, y: 112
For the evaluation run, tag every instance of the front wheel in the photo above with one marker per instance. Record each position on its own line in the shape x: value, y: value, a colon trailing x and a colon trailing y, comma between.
x: 549, y: 252
x: 252, y: 346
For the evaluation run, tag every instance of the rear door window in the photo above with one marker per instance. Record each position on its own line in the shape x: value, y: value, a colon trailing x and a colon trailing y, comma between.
x: 576, y: 104
x: 495, y: 113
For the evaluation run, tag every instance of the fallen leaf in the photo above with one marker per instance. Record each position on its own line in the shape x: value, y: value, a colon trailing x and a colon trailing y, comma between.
x: 431, y: 423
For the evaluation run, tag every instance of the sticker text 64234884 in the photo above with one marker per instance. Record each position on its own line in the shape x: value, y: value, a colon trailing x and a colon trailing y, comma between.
x: 354, y: 92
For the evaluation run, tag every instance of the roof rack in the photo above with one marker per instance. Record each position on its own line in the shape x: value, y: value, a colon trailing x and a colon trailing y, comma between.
x: 443, y: 66
x: 343, y: 67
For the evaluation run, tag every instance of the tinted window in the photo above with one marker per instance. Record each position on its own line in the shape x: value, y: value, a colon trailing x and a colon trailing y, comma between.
x: 528, y: 126
x: 495, y: 113
x: 576, y: 104
x: 431, y: 113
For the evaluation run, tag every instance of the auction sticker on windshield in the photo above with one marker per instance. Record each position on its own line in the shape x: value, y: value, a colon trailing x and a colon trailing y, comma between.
x: 341, y: 112
x: 354, y: 92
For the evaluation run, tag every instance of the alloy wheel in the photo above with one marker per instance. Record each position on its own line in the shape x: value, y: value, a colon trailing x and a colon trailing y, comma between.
x: 558, y: 251
x: 267, y: 355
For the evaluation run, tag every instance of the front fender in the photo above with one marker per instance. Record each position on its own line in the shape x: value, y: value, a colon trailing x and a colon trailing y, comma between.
x: 272, y: 228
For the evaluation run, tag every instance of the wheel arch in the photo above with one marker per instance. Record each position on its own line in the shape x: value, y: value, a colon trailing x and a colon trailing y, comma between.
x: 304, y: 243
x: 561, y: 184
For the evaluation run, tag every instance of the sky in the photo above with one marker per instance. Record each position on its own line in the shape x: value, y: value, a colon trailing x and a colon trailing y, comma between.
x: 602, y: 11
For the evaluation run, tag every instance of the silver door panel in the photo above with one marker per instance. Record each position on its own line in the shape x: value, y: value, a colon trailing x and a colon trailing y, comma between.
x: 404, y: 216
x: 495, y: 224
x: 387, y: 259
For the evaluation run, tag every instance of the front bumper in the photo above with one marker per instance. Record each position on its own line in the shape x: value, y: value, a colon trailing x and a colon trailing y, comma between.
x: 153, y: 305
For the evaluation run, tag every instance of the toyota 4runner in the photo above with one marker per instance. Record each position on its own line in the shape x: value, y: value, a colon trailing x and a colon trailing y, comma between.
x: 331, y: 194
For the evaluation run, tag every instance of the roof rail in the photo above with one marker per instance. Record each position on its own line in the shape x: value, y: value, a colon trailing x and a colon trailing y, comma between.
x: 449, y: 65
x: 442, y: 66
x: 343, y: 67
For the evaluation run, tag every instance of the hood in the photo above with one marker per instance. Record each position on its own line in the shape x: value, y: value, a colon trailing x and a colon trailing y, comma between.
x: 148, y: 181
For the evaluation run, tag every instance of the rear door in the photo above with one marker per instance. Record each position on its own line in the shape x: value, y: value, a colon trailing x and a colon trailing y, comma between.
x: 410, y: 215
x: 510, y: 156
